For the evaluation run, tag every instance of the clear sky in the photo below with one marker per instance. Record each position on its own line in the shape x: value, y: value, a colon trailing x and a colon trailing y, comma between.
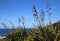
x: 13, y: 9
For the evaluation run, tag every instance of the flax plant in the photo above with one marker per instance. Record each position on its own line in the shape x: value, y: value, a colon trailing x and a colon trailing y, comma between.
x: 48, y: 10
x: 42, y: 15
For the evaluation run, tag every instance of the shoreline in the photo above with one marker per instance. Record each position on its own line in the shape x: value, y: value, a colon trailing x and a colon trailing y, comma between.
x: 2, y: 37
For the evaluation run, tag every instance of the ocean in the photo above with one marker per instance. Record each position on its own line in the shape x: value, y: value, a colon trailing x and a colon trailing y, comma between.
x: 4, y: 32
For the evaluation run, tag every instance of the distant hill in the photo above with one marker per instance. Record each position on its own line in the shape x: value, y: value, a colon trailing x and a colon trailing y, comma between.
x: 57, y: 24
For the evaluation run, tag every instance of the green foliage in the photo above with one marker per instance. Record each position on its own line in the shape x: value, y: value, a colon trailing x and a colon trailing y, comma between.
x: 48, y: 33
x: 16, y: 35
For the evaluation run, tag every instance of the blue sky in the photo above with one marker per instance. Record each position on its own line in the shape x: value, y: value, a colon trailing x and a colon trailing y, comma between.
x: 13, y: 9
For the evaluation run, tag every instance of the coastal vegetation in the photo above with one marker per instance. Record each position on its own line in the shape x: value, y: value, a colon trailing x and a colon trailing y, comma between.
x: 39, y: 32
x: 47, y: 33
